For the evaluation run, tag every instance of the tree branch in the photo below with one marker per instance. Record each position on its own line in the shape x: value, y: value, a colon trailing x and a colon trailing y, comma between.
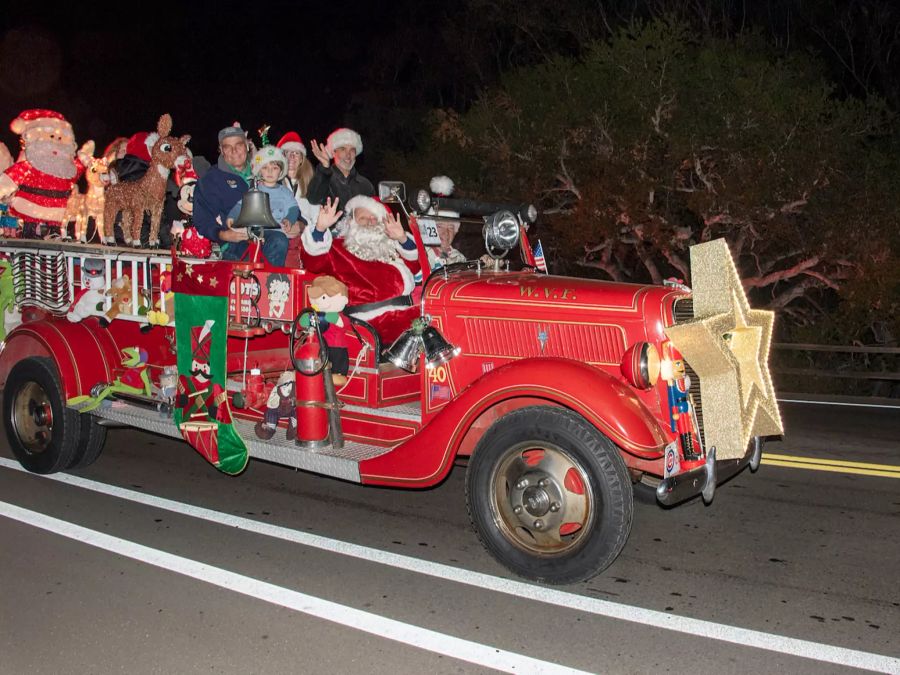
x: 781, y: 275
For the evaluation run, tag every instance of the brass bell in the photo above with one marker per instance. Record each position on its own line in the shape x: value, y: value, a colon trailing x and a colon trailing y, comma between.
x: 255, y: 211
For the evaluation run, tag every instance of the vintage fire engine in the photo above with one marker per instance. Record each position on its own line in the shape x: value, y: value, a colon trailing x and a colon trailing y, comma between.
x: 561, y: 395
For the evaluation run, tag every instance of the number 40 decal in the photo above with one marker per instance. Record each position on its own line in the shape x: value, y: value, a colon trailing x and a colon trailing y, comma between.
x: 439, y: 374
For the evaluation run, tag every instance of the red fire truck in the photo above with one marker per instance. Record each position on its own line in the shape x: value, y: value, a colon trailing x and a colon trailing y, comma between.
x: 562, y: 395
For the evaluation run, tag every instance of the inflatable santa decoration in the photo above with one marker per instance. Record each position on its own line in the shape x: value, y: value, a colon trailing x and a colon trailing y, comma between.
x: 39, y: 184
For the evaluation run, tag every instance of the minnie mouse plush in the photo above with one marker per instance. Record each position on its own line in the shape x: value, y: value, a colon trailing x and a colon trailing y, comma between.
x: 191, y: 242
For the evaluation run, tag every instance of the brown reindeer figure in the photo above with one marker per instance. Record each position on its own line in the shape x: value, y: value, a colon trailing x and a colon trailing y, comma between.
x: 147, y: 194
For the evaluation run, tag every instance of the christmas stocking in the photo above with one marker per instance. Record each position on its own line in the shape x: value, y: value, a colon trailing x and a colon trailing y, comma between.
x: 201, y: 403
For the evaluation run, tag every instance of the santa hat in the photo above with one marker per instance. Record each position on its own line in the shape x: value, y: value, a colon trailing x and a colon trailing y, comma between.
x: 291, y: 142
x: 370, y: 204
x: 140, y: 144
x: 201, y: 338
x: 266, y: 154
x: 341, y: 137
x: 441, y: 186
x: 27, y: 118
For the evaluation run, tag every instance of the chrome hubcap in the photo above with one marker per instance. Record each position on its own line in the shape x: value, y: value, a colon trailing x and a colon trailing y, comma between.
x: 32, y: 417
x: 542, y: 499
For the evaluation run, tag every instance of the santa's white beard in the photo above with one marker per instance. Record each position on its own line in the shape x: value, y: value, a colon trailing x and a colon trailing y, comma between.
x: 369, y: 243
x: 40, y: 155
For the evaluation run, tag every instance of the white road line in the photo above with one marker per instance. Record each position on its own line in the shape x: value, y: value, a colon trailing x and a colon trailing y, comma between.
x: 843, y: 403
x: 648, y: 617
x: 432, y: 641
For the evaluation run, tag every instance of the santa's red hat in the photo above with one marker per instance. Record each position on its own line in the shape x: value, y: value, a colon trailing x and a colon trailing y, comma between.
x: 291, y: 142
x: 341, y: 137
x: 140, y: 144
x: 28, y: 117
x: 370, y: 204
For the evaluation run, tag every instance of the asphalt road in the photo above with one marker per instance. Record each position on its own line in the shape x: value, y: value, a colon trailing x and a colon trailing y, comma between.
x: 277, y: 571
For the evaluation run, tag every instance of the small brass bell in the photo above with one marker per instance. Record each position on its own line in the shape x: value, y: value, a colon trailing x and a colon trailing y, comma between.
x: 255, y: 211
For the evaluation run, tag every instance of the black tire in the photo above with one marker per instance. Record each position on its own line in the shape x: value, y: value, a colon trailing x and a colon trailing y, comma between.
x: 549, y: 495
x: 91, y: 439
x: 43, y: 433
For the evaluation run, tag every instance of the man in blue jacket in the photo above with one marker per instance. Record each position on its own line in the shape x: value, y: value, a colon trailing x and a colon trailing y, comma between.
x: 220, y: 189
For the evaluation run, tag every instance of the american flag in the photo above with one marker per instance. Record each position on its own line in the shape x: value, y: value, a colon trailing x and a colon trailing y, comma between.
x: 440, y: 392
x: 539, y: 260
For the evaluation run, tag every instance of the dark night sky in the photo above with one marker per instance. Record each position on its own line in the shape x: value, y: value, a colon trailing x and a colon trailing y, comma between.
x: 294, y: 65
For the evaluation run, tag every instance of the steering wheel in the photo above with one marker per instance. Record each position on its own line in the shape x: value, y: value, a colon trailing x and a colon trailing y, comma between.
x: 298, y: 339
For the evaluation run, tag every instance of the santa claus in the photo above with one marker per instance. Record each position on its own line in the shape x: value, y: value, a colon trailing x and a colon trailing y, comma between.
x: 40, y: 182
x: 375, y: 257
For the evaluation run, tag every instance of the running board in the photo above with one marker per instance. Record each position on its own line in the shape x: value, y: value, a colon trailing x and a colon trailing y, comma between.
x: 343, y: 463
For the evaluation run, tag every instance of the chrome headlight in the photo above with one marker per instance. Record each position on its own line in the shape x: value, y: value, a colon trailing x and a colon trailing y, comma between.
x: 501, y: 233
x: 423, y: 200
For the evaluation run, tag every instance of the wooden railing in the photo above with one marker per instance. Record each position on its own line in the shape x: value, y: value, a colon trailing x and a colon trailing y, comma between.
x: 884, y: 371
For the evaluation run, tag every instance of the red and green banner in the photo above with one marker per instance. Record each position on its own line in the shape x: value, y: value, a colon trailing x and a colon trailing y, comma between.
x: 202, y: 412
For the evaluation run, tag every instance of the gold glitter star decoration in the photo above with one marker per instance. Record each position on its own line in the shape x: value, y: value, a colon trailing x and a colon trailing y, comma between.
x: 727, y: 344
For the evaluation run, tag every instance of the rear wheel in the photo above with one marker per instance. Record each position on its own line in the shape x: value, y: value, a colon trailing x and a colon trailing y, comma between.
x: 549, y: 495
x: 43, y: 433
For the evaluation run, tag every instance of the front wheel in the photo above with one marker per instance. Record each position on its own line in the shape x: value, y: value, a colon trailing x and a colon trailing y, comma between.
x: 43, y: 433
x: 549, y: 495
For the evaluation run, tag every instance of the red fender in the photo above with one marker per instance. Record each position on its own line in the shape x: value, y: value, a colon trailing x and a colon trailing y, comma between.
x: 83, y: 352
x: 604, y: 401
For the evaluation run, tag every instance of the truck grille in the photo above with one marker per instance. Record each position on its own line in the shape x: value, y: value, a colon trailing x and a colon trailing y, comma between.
x: 592, y: 343
x: 683, y: 311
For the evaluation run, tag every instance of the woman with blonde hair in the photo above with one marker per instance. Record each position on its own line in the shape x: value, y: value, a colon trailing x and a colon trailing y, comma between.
x: 300, y: 169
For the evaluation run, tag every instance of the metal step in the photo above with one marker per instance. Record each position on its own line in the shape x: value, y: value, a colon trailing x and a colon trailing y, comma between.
x: 343, y: 463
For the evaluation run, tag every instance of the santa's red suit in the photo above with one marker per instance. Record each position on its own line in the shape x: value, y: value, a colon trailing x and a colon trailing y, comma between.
x: 379, y: 292
x: 38, y: 189
x: 37, y: 196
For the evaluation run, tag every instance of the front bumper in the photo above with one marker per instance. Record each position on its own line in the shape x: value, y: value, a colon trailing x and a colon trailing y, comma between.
x: 703, y: 480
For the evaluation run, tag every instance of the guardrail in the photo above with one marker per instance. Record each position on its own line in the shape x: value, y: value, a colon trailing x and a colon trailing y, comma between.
x: 880, y: 365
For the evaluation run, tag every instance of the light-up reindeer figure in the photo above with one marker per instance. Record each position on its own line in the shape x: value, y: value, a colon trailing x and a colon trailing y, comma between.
x: 97, y: 177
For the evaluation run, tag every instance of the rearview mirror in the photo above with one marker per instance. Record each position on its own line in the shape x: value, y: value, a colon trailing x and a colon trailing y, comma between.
x: 392, y: 192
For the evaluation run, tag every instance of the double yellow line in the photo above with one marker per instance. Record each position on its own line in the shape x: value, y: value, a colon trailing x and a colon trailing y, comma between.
x: 833, y: 465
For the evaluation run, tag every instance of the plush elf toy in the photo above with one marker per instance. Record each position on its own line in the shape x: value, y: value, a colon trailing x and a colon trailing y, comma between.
x: 328, y: 297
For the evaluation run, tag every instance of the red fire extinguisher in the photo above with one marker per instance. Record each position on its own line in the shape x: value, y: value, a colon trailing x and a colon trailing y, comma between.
x: 312, y: 411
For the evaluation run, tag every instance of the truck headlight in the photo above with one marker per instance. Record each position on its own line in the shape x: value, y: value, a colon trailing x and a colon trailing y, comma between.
x: 423, y: 200
x: 640, y: 365
x: 501, y: 233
